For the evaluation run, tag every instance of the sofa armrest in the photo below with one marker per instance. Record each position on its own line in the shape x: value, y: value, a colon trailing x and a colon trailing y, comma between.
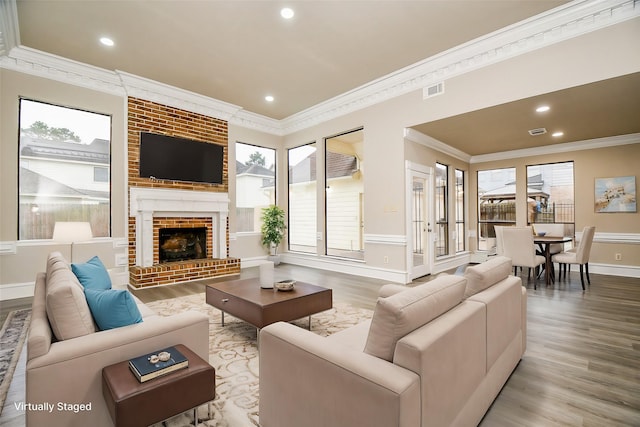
x: 72, y: 369
x: 308, y: 380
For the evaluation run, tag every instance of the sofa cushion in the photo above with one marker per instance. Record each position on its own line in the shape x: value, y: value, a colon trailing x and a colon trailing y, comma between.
x: 66, y: 306
x: 55, y: 261
x: 480, y: 277
x: 112, y: 308
x: 404, y: 312
x: 92, y: 274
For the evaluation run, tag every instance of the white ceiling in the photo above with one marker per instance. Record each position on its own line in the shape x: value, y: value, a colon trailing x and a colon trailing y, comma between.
x: 239, y: 51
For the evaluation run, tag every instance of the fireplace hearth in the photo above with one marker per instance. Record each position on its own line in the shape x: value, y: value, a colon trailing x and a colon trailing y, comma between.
x: 180, y: 244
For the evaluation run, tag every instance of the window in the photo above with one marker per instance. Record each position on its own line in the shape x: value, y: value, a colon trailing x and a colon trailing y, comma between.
x: 100, y: 174
x: 460, y: 225
x: 344, y: 195
x: 551, y: 197
x: 302, y: 198
x: 60, y: 152
x: 442, y: 200
x: 496, y: 203
x: 255, y: 185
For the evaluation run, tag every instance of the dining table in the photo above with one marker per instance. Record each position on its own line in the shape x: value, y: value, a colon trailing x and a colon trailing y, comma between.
x: 545, y: 243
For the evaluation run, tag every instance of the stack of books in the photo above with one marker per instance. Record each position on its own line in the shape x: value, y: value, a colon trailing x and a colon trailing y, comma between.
x: 156, y: 364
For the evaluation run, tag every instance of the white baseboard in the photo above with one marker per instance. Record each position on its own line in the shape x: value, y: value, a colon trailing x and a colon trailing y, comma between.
x: 16, y: 290
x: 347, y: 267
x: 613, y: 270
x: 252, y: 262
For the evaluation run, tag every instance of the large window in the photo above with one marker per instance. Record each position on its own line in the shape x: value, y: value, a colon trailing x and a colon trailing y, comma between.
x: 302, y: 198
x: 344, y: 191
x: 460, y: 225
x: 255, y: 185
x: 550, y: 198
x: 496, y: 204
x: 442, y: 216
x: 65, y: 163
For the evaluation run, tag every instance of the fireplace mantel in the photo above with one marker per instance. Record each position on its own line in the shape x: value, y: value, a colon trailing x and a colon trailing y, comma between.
x: 147, y: 203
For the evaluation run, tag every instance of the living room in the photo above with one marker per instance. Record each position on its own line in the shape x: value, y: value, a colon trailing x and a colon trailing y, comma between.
x: 596, y: 54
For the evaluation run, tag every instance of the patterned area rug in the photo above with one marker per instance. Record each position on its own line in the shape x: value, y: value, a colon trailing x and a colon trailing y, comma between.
x: 12, y: 336
x: 234, y: 355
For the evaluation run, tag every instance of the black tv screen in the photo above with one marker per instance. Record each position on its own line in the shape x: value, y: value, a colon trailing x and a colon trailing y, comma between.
x: 180, y: 159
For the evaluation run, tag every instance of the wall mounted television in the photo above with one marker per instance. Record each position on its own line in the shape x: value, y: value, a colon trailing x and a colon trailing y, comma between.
x: 180, y: 159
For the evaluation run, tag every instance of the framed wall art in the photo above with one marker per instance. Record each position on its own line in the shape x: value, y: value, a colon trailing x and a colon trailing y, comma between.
x: 616, y: 194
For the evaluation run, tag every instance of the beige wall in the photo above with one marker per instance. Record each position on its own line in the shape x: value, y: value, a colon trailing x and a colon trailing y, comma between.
x: 30, y: 256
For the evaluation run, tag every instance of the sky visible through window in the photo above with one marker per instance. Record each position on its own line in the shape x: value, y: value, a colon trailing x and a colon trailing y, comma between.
x: 88, y: 126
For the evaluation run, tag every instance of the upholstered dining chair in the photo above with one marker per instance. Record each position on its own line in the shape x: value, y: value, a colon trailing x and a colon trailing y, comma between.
x: 519, y: 246
x: 580, y: 256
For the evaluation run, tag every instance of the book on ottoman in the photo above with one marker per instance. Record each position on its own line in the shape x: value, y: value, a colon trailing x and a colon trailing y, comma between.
x: 158, y: 363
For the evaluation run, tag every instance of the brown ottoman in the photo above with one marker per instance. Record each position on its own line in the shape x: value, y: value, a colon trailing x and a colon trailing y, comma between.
x: 132, y: 403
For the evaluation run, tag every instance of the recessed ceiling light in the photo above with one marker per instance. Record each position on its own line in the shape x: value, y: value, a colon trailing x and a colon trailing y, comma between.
x: 106, y: 41
x: 557, y: 134
x: 287, y: 13
x: 269, y: 98
x: 543, y: 108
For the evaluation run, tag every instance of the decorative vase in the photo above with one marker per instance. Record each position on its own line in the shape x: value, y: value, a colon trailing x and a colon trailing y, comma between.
x: 266, y: 275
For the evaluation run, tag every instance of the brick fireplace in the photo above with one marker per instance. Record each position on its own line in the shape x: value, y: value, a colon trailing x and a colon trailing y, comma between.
x: 155, y: 204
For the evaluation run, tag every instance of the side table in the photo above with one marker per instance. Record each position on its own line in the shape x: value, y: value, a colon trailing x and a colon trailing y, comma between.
x: 135, y: 404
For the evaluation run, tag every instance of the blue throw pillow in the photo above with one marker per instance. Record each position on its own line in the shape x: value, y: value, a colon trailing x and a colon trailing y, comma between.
x: 92, y: 274
x: 112, y: 308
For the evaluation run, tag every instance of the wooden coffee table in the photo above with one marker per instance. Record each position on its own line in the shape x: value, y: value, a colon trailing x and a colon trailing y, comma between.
x: 245, y: 300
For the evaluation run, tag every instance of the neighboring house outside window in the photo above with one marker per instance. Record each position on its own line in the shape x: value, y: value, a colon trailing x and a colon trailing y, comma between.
x: 61, y: 150
x: 302, y: 176
x: 255, y: 185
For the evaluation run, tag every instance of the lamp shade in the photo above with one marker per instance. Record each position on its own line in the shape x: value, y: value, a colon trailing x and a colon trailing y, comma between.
x: 70, y: 232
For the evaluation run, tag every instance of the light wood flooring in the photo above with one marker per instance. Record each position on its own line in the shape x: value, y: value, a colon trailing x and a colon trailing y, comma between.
x: 581, y: 367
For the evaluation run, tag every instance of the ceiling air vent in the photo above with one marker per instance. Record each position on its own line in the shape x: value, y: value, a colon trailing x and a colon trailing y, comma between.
x: 433, y: 90
x: 539, y: 131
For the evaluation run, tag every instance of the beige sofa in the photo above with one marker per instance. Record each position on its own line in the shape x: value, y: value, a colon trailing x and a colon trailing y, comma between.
x: 65, y: 353
x: 432, y: 355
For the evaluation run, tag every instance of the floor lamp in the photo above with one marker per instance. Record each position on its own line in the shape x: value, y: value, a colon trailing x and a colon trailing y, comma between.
x: 72, y: 232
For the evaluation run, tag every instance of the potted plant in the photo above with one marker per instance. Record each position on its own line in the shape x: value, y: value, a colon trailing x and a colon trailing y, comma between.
x: 272, y: 229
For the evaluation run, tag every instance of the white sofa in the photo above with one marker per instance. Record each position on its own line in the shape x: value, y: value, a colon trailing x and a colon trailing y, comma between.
x: 64, y: 368
x: 433, y: 355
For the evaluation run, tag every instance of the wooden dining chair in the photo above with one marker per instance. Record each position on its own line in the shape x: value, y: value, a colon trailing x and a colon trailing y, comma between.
x: 580, y: 256
x: 519, y: 246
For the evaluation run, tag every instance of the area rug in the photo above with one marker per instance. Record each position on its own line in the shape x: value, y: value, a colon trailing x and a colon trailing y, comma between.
x: 12, y: 336
x: 234, y: 354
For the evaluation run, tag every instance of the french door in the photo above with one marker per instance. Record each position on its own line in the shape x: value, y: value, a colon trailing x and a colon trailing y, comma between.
x: 419, y: 220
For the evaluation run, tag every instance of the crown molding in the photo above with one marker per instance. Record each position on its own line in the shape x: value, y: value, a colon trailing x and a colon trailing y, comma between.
x: 562, y: 23
x: 41, y: 64
x: 430, y: 142
x: 150, y: 90
x: 589, y: 144
x: 559, y: 24
x: 9, y: 34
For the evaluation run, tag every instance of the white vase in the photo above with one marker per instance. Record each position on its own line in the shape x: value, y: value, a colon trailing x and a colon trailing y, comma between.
x: 266, y: 275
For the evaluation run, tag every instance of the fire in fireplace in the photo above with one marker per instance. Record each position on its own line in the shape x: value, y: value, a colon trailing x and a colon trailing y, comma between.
x: 179, y: 244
